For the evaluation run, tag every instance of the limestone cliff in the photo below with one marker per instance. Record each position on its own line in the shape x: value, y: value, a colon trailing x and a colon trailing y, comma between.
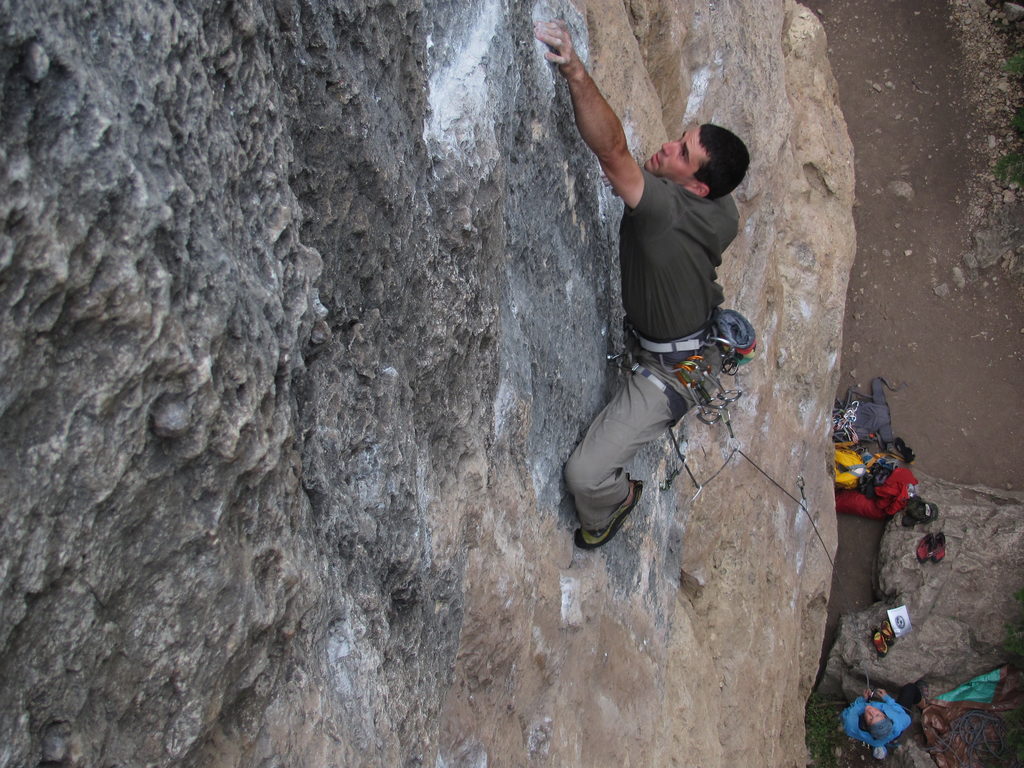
x: 304, y: 305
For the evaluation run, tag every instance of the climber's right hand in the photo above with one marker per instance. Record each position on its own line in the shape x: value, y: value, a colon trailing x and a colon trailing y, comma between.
x: 556, y: 36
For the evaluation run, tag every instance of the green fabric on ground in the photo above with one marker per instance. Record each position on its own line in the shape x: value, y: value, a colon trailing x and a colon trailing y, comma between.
x: 982, y: 688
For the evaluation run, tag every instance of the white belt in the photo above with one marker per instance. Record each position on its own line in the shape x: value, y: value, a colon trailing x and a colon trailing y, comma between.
x: 686, y: 344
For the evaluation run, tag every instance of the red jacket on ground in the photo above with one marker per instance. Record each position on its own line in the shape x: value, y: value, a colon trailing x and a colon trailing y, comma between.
x: 890, y: 497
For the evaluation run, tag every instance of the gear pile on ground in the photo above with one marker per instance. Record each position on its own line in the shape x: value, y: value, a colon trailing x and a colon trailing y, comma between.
x: 872, y: 477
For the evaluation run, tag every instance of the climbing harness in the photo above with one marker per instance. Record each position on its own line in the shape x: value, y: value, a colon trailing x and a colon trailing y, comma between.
x: 732, y: 336
x: 691, y: 343
x: 727, y: 336
x: 860, y: 416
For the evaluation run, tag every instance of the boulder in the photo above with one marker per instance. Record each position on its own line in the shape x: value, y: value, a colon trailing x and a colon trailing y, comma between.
x: 909, y: 754
x: 958, y: 607
x: 1014, y: 12
x: 998, y: 240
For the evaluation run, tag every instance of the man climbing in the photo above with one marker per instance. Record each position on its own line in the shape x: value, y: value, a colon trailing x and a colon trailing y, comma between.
x: 679, y: 218
x: 877, y: 719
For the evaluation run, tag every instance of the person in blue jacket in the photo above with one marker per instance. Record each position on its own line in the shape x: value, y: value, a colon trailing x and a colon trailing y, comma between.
x: 879, y: 719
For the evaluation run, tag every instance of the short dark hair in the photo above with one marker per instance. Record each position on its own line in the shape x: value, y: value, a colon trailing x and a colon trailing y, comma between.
x: 727, y: 160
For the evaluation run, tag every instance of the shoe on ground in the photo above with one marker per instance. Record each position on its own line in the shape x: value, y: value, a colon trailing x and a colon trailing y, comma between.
x: 925, y: 548
x: 887, y: 632
x: 585, y: 539
x: 881, y: 647
x: 879, y: 753
x: 938, y: 547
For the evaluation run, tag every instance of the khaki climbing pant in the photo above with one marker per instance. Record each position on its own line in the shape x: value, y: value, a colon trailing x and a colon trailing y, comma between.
x: 595, y: 473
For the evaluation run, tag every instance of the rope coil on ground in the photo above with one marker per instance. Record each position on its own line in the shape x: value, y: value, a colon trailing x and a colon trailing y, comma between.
x: 983, y: 736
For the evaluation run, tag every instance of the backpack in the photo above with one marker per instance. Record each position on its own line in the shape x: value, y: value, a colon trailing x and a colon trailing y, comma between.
x: 879, y: 466
x: 889, y: 498
x: 850, y: 468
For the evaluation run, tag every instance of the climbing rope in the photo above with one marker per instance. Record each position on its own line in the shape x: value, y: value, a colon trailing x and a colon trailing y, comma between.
x: 982, y: 736
x: 802, y: 501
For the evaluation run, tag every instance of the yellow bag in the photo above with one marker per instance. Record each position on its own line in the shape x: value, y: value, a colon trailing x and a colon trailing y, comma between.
x: 850, y: 467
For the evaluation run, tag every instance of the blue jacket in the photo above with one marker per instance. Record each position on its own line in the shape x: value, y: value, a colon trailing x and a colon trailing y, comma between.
x: 892, y: 710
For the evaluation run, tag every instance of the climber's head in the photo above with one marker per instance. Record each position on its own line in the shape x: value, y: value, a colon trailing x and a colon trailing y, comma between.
x: 727, y: 160
x: 709, y: 161
x: 875, y: 722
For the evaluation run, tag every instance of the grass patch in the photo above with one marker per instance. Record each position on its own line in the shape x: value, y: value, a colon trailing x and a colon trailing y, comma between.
x: 1015, y: 65
x: 1010, y: 167
x: 821, y: 730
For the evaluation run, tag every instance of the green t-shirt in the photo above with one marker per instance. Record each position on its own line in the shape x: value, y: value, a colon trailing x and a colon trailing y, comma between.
x: 670, y: 246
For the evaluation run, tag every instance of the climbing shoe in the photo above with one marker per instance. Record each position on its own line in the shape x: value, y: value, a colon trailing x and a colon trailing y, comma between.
x: 903, y: 450
x: 881, y: 647
x: 938, y: 547
x: 887, y: 633
x: 585, y: 539
x: 925, y: 548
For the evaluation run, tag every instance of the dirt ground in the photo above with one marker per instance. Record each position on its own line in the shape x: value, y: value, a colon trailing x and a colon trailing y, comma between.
x: 928, y: 109
x: 908, y: 83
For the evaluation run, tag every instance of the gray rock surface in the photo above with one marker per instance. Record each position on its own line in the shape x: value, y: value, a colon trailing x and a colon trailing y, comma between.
x: 1000, y: 241
x: 958, y: 607
x: 1014, y: 12
x: 909, y: 755
x: 302, y: 308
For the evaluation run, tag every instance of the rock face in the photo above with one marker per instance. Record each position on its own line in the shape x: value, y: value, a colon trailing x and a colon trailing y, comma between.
x: 304, y: 305
x: 999, y: 241
x: 959, y: 607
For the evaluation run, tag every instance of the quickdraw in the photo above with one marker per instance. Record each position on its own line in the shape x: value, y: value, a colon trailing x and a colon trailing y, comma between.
x: 680, y: 448
x: 844, y: 424
x: 695, y: 374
